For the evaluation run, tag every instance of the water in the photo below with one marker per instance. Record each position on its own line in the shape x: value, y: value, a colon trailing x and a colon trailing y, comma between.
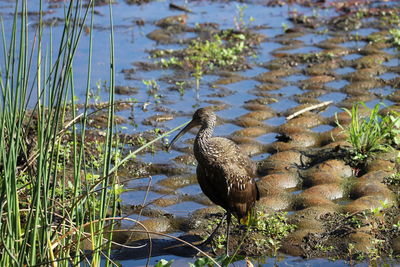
x: 132, y: 45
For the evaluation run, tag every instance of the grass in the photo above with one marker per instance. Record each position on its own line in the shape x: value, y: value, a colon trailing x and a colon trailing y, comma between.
x: 374, y: 134
x: 48, y: 208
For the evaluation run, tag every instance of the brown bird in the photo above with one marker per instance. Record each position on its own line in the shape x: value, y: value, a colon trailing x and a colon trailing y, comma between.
x: 224, y: 172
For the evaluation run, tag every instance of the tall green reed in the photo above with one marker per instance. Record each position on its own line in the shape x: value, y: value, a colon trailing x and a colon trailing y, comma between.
x: 57, y: 207
x: 44, y: 220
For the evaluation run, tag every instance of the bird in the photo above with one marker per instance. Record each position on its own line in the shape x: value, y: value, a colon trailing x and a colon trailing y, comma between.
x: 225, y: 174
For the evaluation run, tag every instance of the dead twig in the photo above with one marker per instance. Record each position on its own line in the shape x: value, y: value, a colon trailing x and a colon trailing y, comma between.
x: 297, y: 113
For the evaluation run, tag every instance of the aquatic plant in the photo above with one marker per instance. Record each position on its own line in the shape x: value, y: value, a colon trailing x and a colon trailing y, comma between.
x: 152, y: 88
x: 239, y: 20
x: 373, y: 134
x: 395, y: 37
x: 49, y: 208
x: 274, y: 228
x: 208, y: 55
x: 224, y: 50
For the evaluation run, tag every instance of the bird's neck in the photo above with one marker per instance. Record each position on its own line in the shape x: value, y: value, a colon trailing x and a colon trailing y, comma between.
x: 205, y: 133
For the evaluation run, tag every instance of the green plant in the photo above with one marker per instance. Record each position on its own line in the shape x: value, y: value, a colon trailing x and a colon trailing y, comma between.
x: 285, y: 27
x: 395, y: 37
x: 373, y: 134
x: 223, y: 260
x: 201, y: 262
x: 396, y: 226
x: 49, y: 206
x: 394, y: 179
x: 377, y: 211
x: 152, y: 88
x: 324, y: 248
x: 181, y: 87
x: 164, y: 263
x: 172, y: 61
x: 201, y: 55
x: 392, y: 122
x: 100, y: 85
x: 355, y: 221
x: 274, y: 228
x: 375, y: 252
x: 239, y: 20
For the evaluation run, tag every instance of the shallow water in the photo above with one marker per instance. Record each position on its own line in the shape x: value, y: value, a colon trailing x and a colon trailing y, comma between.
x: 132, y: 45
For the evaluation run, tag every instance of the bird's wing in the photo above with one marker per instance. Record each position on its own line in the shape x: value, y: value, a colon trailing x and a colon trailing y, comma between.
x: 233, y: 170
x: 224, y: 152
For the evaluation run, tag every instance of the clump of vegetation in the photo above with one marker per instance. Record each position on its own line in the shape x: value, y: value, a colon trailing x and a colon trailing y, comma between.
x: 226, y: 50
x: 266, y: 231
x: 239, y: 20
x: 394, y: 179
x: 274, y: 228
x: 203, y: 55
x: 53, y: 195
x: 152, y: 88
x: 395, y: 37
x: 376, y: 133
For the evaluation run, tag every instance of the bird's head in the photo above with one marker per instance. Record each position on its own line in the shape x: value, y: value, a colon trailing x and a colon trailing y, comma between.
x: 202, y: 117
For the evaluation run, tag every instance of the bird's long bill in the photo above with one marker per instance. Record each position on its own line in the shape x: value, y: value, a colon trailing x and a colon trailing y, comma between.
x: 189, y: 126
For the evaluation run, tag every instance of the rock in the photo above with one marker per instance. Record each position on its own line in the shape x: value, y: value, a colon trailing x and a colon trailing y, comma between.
x: 306, y: 122
x: 251, y: 131
x: 371, y: 202
x: 308, y: 200
x: 275, y: 202
x: 248, y: 122
x: 376, y: 176
x: 368, y: 187
x: 126, y: 90
x: 161, y: 225
x: 328, y: 191
x: 171, y: 20
x: 334, y: 166
x: 268, y: 86
x: 381, y: 165
x: 302, y: 140
x: 396, y: 245
x: 251, y: 148
x: 279, y: 180
x: 178, y: 181
x: 362, y: 242
x: 318, y: 178
x: 315, y: 212
x: 161, y: 36
x: 260, y: 115
x: 229, y: 80
x: 167, y: 201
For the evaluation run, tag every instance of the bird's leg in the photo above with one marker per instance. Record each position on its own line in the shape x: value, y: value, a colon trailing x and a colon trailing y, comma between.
x: 211, y: 237
x: 228, y: 221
